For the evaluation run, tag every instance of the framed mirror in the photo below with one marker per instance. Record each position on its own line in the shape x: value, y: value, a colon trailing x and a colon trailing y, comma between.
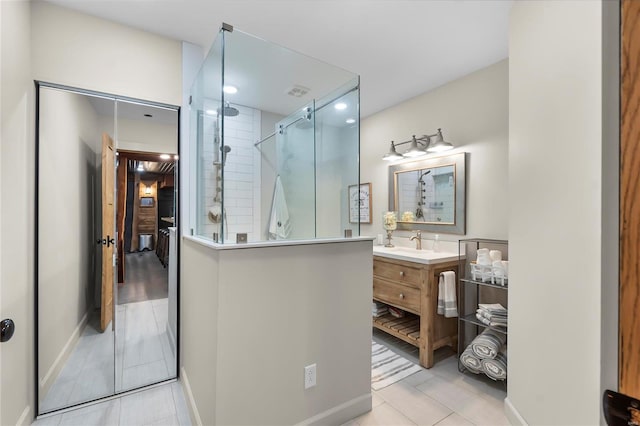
x: 430, y: 194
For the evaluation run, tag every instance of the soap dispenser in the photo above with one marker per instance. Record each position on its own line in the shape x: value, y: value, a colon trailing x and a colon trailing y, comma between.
x: 436, y: 244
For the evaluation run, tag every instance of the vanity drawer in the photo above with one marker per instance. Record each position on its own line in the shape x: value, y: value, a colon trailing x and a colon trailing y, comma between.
x: 399, y: 295
x: 399, y: 273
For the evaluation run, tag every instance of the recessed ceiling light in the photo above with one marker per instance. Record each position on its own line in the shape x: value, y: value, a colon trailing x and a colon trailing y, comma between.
x: 340, y: 106
x: 351, y: 120
x: 148, y: 115
x: 165, y: 156
x: 229, y: 89
x: 211, y: 112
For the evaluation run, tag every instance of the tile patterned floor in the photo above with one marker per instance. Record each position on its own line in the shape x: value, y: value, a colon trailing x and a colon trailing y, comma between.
x: 143, y: 356
x: 162, y: 405
x: 439, y: 396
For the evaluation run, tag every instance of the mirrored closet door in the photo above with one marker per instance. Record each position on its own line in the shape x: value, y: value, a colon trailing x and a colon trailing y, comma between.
x: 106, y: 257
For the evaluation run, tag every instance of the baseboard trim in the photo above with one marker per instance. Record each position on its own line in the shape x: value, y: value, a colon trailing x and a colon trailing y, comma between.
x: 512, y: 414
x: 26, y: 417
x: 60, y: 361
x: 191, y: 402
x: 341, y: 413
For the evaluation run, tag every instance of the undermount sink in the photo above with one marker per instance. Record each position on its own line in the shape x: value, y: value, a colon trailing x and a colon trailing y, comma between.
x: 413, y: 255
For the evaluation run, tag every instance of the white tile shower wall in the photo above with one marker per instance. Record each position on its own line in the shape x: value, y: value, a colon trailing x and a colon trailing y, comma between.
x: 241, y: 174
x: 438, y: 187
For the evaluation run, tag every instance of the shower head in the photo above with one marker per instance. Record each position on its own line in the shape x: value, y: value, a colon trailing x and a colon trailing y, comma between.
x: 423, y: 175
x: 228, y: 110
x: 225, y: 150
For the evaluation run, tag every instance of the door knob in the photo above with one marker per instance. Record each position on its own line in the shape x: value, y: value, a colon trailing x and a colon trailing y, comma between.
x: 7, y: 327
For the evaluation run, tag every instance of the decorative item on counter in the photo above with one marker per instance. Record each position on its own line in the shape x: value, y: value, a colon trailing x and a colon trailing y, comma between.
x: 408, y: 217
x: 390, y: 223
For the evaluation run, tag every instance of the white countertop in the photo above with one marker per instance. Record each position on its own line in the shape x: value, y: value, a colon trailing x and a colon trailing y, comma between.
x: 427, y: 257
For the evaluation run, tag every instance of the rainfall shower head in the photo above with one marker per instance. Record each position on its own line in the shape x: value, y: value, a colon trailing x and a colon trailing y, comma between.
x: 228, y: 110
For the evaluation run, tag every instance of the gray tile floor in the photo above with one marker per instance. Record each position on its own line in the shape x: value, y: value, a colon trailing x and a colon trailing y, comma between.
x: 162, y: 405
x: 145, y: 278
x: 143, y: 356
x: 439, y: 396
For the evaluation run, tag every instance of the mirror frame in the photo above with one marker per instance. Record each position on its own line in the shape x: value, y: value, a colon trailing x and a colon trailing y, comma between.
x: 459, y: 163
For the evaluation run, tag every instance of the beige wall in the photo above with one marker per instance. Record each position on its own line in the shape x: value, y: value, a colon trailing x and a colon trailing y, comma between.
x: 70, y: 141
x: 144, y: 136
x: 199, y: 327
x: 16, y: 213
x: 272, y: 312
x: 473, y: 114
x: 45, y: 42
x: 79, y: 50
x: 557, y: 177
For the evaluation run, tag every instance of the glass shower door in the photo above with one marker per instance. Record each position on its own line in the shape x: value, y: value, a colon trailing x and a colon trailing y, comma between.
x: 294, y: 191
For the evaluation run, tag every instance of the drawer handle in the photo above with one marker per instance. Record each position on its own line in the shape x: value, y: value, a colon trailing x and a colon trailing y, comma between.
x: 402, y: 273
x: 401, y: 296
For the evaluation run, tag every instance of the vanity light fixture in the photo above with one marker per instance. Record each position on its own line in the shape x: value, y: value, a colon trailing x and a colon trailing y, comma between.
x: 165, y: 156
x: 147, y: 190
x: 230, y: 90
x: 340, y: 106
x: 419, y: 146
x: 392, y: 154
x: 440, y: 144
x: 211, y: 112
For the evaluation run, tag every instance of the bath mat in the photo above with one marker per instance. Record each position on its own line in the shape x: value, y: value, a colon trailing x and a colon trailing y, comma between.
x: 387, y: 367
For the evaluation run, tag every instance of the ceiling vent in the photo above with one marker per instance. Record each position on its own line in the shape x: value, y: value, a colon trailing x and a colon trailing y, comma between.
x: 297, y: 91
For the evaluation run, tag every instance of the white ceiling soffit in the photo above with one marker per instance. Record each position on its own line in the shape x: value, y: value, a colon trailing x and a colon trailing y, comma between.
x: 400, y: 48
x: 135, y: 111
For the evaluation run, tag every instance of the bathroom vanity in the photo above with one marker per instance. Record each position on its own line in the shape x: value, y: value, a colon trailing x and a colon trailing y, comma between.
x: 408, y: 279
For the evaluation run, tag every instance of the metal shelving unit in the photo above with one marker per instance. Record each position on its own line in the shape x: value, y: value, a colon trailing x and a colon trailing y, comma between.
x: 473, y: 291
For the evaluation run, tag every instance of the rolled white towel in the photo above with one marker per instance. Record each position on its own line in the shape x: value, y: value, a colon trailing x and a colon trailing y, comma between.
x: 495, y: 368
x: 470, y: 361
x: 487, y: 344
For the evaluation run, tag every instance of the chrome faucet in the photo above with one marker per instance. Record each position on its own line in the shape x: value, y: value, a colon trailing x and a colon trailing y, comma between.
x: 418, y: 238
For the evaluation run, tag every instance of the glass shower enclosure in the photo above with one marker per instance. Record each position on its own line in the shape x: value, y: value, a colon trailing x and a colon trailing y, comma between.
x: 276, y: 138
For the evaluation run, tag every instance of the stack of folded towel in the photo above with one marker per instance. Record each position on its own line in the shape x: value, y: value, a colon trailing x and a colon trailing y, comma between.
x: 378, y: 309
x: 487, y: 354
x: 494, y: 314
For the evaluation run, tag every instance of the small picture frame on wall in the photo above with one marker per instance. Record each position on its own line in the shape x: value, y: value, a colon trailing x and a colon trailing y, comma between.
x: 146, y: 201
x: 360, y: 203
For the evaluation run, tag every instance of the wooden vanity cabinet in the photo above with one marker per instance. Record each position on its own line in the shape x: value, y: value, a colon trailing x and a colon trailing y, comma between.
x: 413, y: 287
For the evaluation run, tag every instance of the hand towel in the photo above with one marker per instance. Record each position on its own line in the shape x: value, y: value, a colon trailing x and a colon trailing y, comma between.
x: 447, y: 302
x: 279, y: 223
x: 495, y: 255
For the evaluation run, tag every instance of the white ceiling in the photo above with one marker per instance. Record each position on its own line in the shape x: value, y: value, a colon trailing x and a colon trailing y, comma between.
x: 400, y: 48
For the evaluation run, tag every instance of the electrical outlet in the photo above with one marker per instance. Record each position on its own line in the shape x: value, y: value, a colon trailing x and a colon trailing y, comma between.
x: 309, y: 376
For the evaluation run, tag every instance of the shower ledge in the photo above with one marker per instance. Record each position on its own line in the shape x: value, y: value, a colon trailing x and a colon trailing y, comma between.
x: 259, y: 244
x: 427, y: 257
